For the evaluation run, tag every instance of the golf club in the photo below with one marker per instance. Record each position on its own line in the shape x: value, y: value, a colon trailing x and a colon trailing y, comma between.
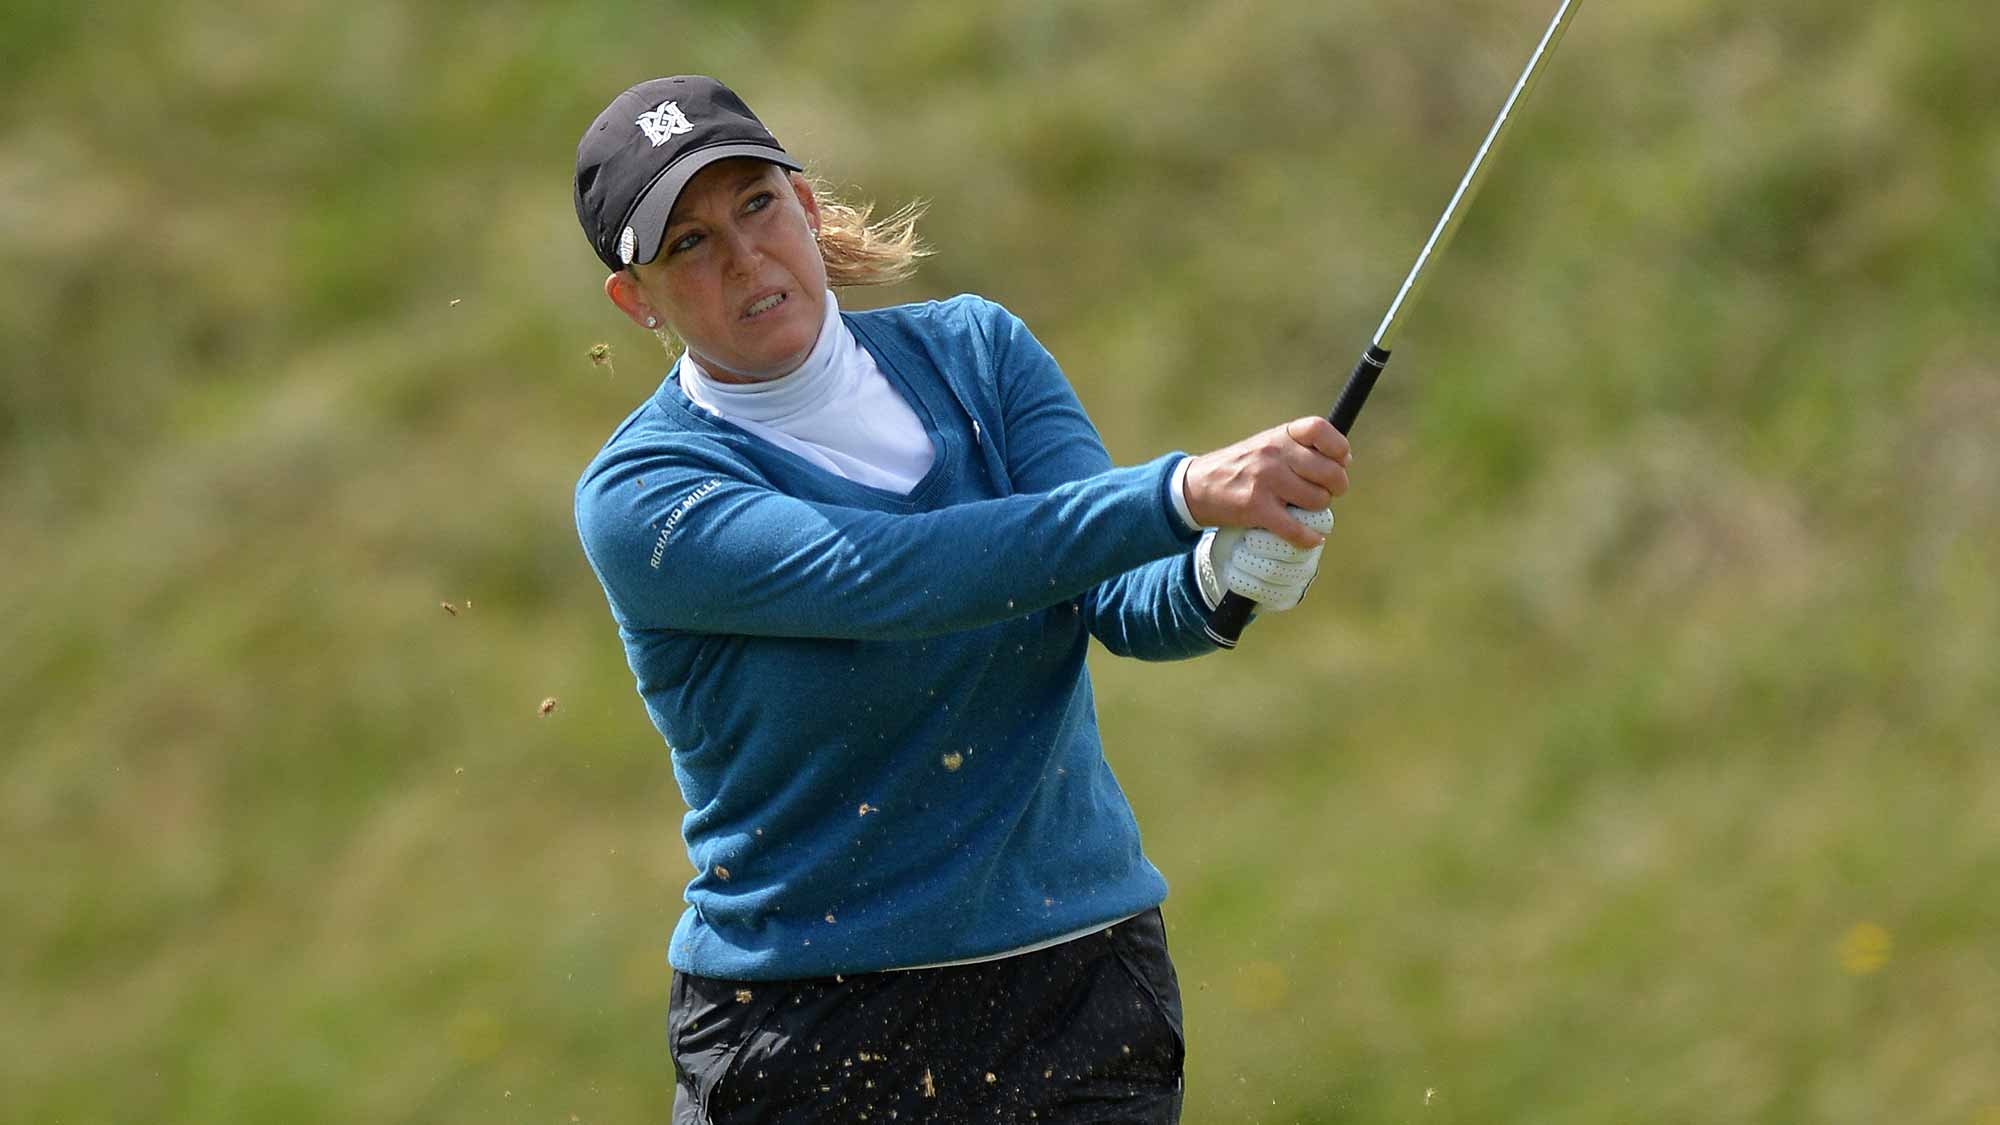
x: 1226, y: 623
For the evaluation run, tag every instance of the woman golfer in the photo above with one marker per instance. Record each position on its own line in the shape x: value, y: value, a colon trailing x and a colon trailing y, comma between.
x: 856, y: 559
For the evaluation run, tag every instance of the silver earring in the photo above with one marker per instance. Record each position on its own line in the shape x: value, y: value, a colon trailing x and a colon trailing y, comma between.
x: 652, y: 322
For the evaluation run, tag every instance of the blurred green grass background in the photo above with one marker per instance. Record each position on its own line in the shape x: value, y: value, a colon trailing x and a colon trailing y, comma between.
x: 1634, y: 759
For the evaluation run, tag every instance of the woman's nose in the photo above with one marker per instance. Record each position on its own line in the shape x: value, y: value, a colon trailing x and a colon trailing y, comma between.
x: 743, y: 254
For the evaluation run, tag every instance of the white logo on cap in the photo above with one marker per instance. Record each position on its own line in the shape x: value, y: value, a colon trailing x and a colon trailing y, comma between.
x: 628, y: 245
x: 664, y: 122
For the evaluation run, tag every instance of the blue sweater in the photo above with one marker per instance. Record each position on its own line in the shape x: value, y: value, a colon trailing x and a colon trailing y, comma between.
x: 877, y: 705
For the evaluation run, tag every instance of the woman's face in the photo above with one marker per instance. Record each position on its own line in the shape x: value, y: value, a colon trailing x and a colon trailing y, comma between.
x: 739, y: 276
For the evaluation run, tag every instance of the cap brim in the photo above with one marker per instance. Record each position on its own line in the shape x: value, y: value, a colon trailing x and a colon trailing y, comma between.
x: 648, y: 220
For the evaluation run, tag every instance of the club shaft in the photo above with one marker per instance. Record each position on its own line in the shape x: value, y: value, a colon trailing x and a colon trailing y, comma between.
x: 1468, y: 185
x: 1226, y: 623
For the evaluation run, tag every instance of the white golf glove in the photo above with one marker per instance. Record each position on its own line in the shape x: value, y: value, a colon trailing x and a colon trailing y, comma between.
x: 1258, y: 564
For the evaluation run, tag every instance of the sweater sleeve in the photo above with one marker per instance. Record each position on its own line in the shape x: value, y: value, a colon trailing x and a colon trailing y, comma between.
x: 1152, y: 611
x: 705, y: 547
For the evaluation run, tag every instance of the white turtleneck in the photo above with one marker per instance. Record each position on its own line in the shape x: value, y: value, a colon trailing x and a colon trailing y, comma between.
x: 837, y: 410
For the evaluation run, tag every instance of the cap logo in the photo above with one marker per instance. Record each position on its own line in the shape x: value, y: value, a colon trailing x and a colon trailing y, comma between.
x: 628, y: 245
x: 663, y: 123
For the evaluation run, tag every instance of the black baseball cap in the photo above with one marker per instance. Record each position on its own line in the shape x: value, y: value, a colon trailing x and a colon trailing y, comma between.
x: 643, y: 149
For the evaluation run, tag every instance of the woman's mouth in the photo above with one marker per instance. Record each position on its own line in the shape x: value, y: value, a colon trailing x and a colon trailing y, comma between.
x: 763, y: 305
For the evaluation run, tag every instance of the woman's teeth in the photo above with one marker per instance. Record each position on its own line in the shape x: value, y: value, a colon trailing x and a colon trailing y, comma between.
x: 765, y: 305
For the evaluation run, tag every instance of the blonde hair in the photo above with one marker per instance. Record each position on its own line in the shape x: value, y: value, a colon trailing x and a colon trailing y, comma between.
x: 859, y: 252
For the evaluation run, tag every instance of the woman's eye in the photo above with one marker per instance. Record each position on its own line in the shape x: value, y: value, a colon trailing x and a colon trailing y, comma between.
x: 759, y: 201
x: 684, y: 242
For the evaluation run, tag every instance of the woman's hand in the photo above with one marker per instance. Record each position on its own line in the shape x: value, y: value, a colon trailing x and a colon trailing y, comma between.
x: 1248, y: 484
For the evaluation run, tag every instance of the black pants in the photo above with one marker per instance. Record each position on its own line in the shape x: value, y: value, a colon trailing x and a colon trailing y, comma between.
x: 1087, y: 1031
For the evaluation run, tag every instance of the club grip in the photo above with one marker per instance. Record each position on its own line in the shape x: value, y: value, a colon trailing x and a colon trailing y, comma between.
x: 1354, y: 395
x: 1226, y: 621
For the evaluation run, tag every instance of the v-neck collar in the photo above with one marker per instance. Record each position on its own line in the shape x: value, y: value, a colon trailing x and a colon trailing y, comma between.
x: 919, y: 394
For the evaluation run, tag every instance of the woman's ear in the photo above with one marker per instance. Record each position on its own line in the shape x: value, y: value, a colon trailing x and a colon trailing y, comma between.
x: 624, y: 291
x: 802, y: 188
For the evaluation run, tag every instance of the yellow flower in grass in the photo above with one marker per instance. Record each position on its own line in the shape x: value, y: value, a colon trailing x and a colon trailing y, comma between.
x: 1865, y: 949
